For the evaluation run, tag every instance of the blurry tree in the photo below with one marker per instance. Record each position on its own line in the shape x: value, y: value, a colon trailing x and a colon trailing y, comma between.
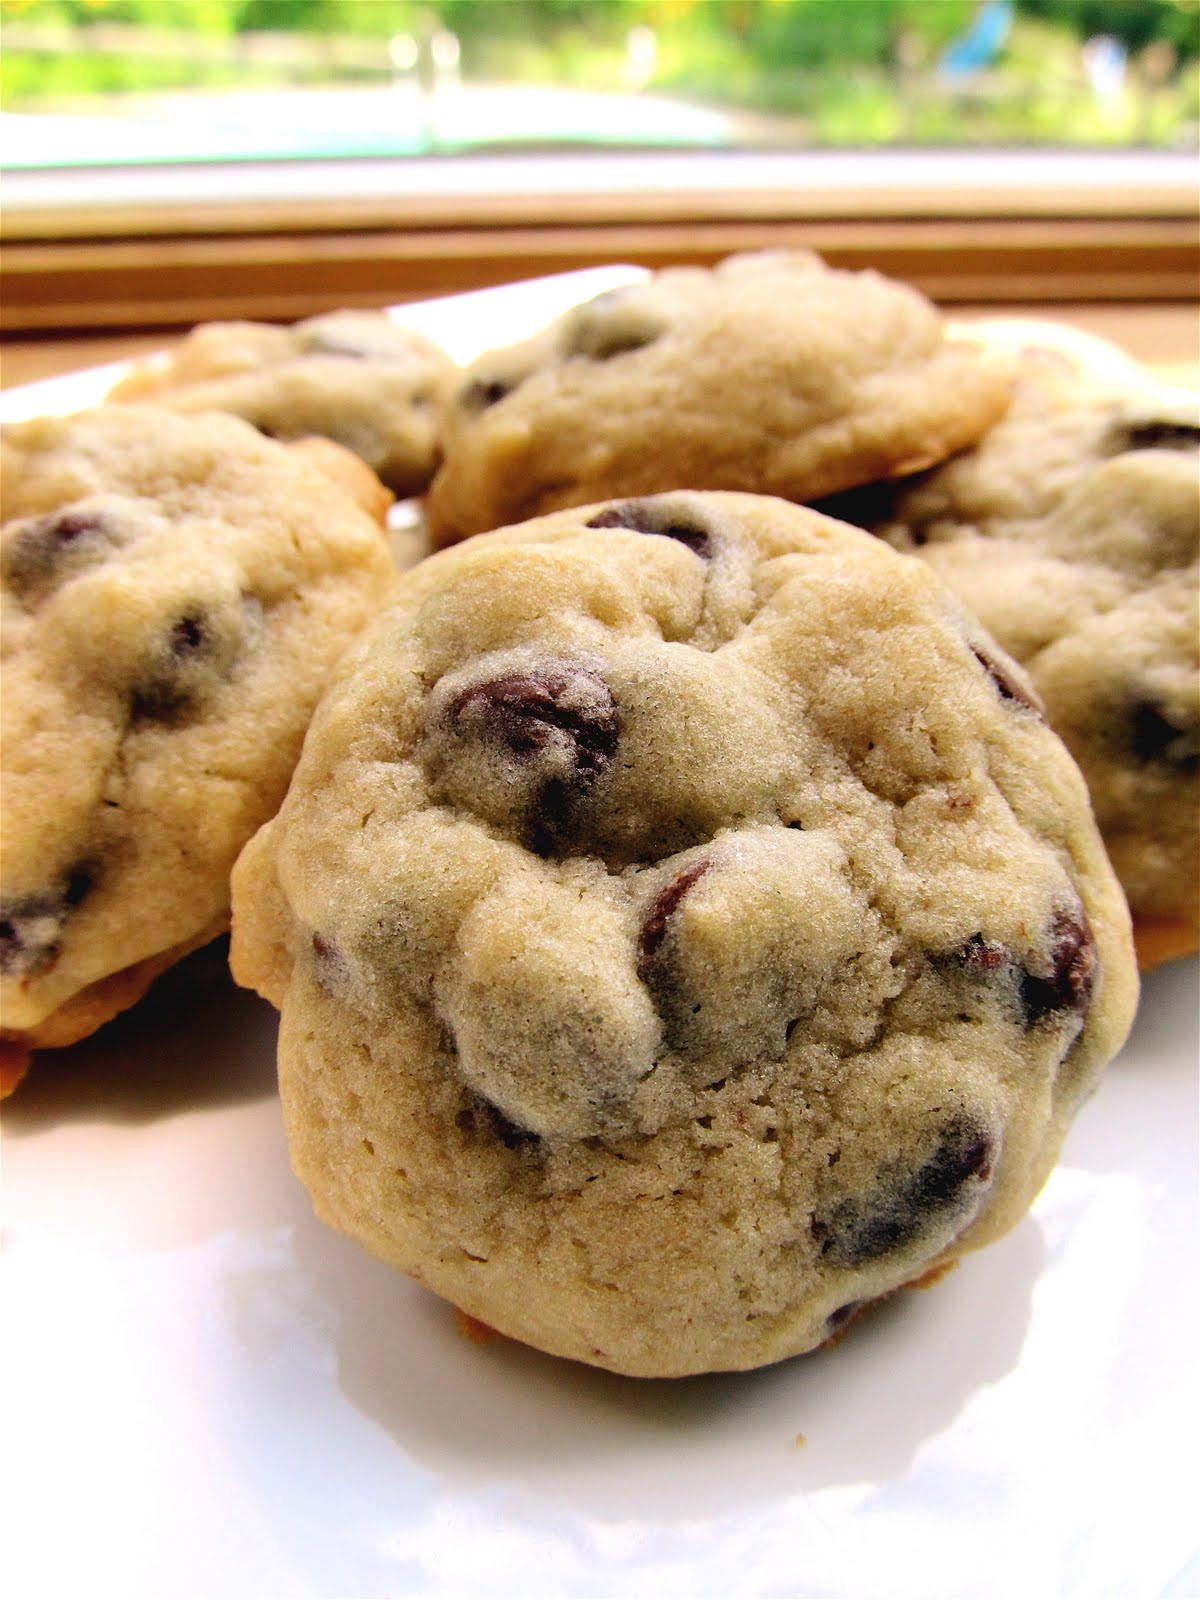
x: 1136, y: 23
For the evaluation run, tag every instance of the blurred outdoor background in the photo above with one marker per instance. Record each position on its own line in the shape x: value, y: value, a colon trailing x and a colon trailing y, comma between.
x: 143, y: 81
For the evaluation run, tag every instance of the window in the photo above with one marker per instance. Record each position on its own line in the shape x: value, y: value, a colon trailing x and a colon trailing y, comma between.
x: 171, y: 160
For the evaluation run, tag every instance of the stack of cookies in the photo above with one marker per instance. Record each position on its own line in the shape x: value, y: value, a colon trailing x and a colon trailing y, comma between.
x: 688, y: 916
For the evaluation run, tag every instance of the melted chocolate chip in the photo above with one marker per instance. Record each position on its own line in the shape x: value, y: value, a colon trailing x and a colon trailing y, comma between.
x: 1154, y: 737
x: 187, y: 636
x: 194, y: 652
x: 657, y: 919
x: 596, y: 342
x: 644, y: 516
x: 169, y: 688
x: 1154, y: 433
x: 1008, y: 688
x: 31, y: 925
x: 839, y: 1317
x: 481, y: 1117
x: 1068, y: 983
x: 981, y: 955
x: 509, y: 1133
x: 329, y: 964
x: 856, y: 1232
x: 1064, y: 982
x: 481, y: 393
x: 35, y: 551
x: 561, y: 716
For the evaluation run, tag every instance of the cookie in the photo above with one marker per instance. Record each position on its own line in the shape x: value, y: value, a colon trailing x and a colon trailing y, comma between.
x: 1055, y: 355
x: 771, y: 373
x: 1072, y: 530
x: 354, y: 377
x: 685, y: 928
x: 175, y: 591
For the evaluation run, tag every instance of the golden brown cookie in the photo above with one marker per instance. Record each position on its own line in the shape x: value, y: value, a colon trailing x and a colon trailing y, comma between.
x: 686, y: 928
x: 1072, y: 530
x: 772, y: 373
x: 352, y: 376
x: 175, y: 591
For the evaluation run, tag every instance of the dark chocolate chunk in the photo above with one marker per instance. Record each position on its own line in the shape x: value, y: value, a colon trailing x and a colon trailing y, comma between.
x: 329, y: 964
x: 560, y: 716
x: 1063, y: 982
x: 610, y: 324
x: 1153, y: 433
x: 481, y: 1117
x: 841, y: 1315
x: 645, y: 516
x: 899, y: 1210
x: 598, y: 341
x: 480, y: 393
x: 657, y: 919
x: 1155, y: 737
x: 168, y: 689
x: 1069, y: 976
x: 31, y: 925
x: 195, y: 652
x: 37, y: 551
x: 982, y: 955
x: 1007, y: 687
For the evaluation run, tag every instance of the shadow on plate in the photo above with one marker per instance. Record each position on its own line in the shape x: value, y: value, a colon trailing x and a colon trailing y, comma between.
x: 194, y: 1042
x: 500, y: 1415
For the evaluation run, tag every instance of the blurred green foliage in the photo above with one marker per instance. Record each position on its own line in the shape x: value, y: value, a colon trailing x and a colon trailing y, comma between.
x: 837, y: 71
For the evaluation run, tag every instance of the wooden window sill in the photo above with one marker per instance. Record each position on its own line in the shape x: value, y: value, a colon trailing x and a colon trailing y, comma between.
x: 159, y: 249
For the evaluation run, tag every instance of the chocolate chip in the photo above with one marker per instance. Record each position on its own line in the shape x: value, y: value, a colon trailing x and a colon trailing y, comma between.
x: 481, y: 393
x: 657, y: 919
x: 188, y: 635
x: 602, y: 344
x: 611, y: 324
x: 645, y: 516
x: 329, y: 964
x: 560, y: 717
x: 839, y: 1317
x: 480, y: 1118
x: 195, y: 652
x: 1062, y: 983
x: 1008, y: 687
x: 981, y: 955
x: 1155, y: 737
x: 1153, y: 433
x: 168, y: 689
x: 510, y: 1135
x: 31, y: 925
x: 899, y: 1210
x: 36, y: 551
x: 1069, y: 977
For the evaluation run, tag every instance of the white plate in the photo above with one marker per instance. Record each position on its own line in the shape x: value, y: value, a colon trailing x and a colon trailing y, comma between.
x: 209, y: 1394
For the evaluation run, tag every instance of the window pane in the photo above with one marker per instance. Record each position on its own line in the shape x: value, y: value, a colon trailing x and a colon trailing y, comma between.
x: 102, y: 82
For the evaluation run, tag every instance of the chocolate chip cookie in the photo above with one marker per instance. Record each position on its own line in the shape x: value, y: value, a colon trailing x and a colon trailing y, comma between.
x: 354, y: 377
x: 175, y: 591
x: 771, y: 373
x: 1072, y: 530
x: 686, y: 929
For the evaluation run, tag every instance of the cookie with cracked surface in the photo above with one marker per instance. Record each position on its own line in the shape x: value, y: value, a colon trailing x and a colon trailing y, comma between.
x: 1072, y: 530
x: 355, y: 377
x: 175, y: 591
x: 685, y: 927
x: 771, y: 373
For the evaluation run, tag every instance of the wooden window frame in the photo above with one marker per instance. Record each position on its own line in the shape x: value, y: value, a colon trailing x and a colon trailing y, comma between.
x: 164, y: 248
